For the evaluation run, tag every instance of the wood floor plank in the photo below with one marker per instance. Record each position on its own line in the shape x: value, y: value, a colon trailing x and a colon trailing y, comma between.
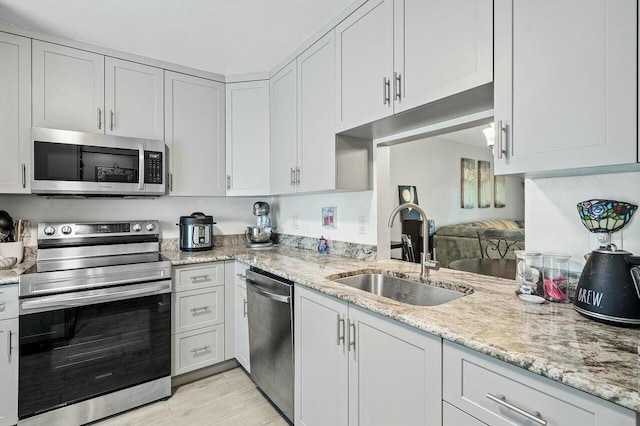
x: 226, y: 399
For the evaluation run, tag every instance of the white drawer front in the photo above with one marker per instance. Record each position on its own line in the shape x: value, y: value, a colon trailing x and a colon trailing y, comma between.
x: 198, y: 308
x: 8, y: 301
x: 494, y: 392
x: 451, y: 416
x: 193, y: 278
x: 197, y: 349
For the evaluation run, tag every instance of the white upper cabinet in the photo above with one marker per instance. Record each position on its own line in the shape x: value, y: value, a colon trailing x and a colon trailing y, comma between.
x: 442, y: 47
x: 68, y: 88
x: 15, y: 110
x: 247, y: 138
x: 316, y: 116
x: 284, y: 133
x: 364, y: 65
x: 134, y: 99
x: 395, y: 55
x: 194, y: 132
x: 565, y: 84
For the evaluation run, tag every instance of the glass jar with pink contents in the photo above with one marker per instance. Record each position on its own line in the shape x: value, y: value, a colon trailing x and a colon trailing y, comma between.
x: 556, y: 282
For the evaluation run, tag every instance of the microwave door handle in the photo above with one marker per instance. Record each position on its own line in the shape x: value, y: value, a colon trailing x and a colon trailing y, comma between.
x: 141, y: 169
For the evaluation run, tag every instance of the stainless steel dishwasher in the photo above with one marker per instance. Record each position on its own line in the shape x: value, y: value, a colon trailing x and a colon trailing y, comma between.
x: 270, y: 307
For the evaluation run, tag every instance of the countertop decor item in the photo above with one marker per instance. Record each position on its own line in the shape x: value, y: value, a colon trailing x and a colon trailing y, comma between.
x: 13, y: 249
x: 609, y: 287
x: 7, y: 262
x: 6, y: 227
x: 323, y: 246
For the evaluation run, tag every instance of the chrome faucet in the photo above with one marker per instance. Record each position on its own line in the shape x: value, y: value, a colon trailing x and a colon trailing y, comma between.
x: 427, y: 262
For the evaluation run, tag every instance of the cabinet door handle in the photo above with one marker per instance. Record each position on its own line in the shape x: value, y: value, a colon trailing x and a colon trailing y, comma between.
x: 111, y: 120
x: 228, y: 181
x: 293, y: 176
x: 398, y: 86
x: 352, y: 335
x: 99, y: 119
x: 502, y: 400
x: 170, y: 181
x: 201, y: 348
x: 243, y: 277
x: 298, y: 176
x: 2, y: 305
x: 201, y: 308
x: 386, y: 91
x: 9, y: 348
x: 244, y: 313
x: 24, y: 175
x: 340, y: 330
x: 500, y: 132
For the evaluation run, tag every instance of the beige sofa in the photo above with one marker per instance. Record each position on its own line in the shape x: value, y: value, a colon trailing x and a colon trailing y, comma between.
x: 460, y: 241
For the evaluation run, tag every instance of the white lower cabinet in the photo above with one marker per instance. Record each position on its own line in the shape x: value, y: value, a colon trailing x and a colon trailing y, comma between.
x: 241, y: 317
x: 198, y: 317
x: 8, y: 355
x: 453, y: 417
x: 498, y: 393
x: 365, y: 369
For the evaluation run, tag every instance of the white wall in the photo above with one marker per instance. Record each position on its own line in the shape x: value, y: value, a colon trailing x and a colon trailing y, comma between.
x: 433, y: 166
x: 308, y: 208
x: 552, y: 222
x: 232, y: 215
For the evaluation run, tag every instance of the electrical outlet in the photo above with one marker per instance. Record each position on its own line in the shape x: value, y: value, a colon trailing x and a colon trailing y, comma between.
x: 362, y: 224
x: 616, y: 238
x: 296, y: 222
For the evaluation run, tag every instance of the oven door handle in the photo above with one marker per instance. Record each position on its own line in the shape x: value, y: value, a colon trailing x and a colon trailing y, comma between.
x: 93, y: 297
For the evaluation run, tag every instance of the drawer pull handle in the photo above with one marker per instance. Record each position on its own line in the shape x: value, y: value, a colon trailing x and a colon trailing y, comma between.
x: 244, y: 314
x: 201, y: 308
x: 201, y: 348
x: 3, y: 304
x: 502, y: 400
x: 243, y: 277
x: 200, y: 277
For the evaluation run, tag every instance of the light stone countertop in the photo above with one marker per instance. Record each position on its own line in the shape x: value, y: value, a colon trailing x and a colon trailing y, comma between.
x: 550, y: 339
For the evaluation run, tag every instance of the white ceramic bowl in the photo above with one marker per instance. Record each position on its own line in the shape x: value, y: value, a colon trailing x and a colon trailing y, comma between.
x: 12, y: 250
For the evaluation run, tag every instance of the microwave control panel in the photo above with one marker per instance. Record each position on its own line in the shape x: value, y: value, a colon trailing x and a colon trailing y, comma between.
x: 152, y: 167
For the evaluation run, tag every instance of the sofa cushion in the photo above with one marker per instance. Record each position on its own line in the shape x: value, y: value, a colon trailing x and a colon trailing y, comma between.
x: 496, y: 224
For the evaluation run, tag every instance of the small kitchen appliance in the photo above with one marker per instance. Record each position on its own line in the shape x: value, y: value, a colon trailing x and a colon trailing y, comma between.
x: 609, y: 287
x: 259, y: 236
x: 196, y: 232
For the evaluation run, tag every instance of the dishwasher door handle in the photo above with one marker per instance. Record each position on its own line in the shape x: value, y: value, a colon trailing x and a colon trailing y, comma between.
x: 262, y: 292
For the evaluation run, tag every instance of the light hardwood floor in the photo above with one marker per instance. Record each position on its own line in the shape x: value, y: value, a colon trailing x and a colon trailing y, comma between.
x: 228, y: 398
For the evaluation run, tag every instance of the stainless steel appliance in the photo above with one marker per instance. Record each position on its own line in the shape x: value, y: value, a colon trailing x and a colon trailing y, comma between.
x: 95, y: 323
x: 259, y: 236
x: 67, y: 163
x: 609, y: 286
x: 196, y: 232
x: 270, y: 308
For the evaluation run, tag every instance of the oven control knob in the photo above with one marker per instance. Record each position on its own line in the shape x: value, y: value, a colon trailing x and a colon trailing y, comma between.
x: 150, y: 227
x: 66, y: 230
x: 137, y: 227
x: 49, y: 230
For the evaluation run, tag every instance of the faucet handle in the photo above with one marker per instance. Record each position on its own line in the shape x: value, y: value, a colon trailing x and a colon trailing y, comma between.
x: 430, y: 262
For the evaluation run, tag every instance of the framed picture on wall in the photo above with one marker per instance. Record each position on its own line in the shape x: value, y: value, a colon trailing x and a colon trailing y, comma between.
x: 500, y: 191
x: 484, y: 184
x: 408, y: 194
x: 468, y: 184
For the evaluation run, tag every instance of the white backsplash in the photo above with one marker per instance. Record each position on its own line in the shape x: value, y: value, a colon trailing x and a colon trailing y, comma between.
x: 551, y: 217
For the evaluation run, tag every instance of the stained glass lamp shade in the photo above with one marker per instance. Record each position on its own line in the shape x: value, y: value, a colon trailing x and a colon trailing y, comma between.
x: 605, y: 217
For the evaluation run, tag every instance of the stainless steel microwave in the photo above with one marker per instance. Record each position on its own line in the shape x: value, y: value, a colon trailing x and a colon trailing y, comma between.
x: 88, y: 164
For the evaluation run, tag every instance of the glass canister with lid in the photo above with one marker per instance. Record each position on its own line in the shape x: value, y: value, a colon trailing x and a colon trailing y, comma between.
x: 529, y: 277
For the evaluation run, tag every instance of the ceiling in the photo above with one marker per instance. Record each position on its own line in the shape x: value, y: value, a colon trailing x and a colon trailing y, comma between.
x: 221, y: 36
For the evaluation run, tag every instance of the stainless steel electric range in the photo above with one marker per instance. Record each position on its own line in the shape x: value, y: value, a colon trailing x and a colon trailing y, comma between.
x: 95, y: 323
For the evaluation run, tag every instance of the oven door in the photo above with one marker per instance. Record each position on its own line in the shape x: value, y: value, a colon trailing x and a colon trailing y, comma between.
x: 66, y: 162
x: 77, y: 346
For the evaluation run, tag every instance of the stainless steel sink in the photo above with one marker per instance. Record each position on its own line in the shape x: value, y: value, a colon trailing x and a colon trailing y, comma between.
x: 399, y: 289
